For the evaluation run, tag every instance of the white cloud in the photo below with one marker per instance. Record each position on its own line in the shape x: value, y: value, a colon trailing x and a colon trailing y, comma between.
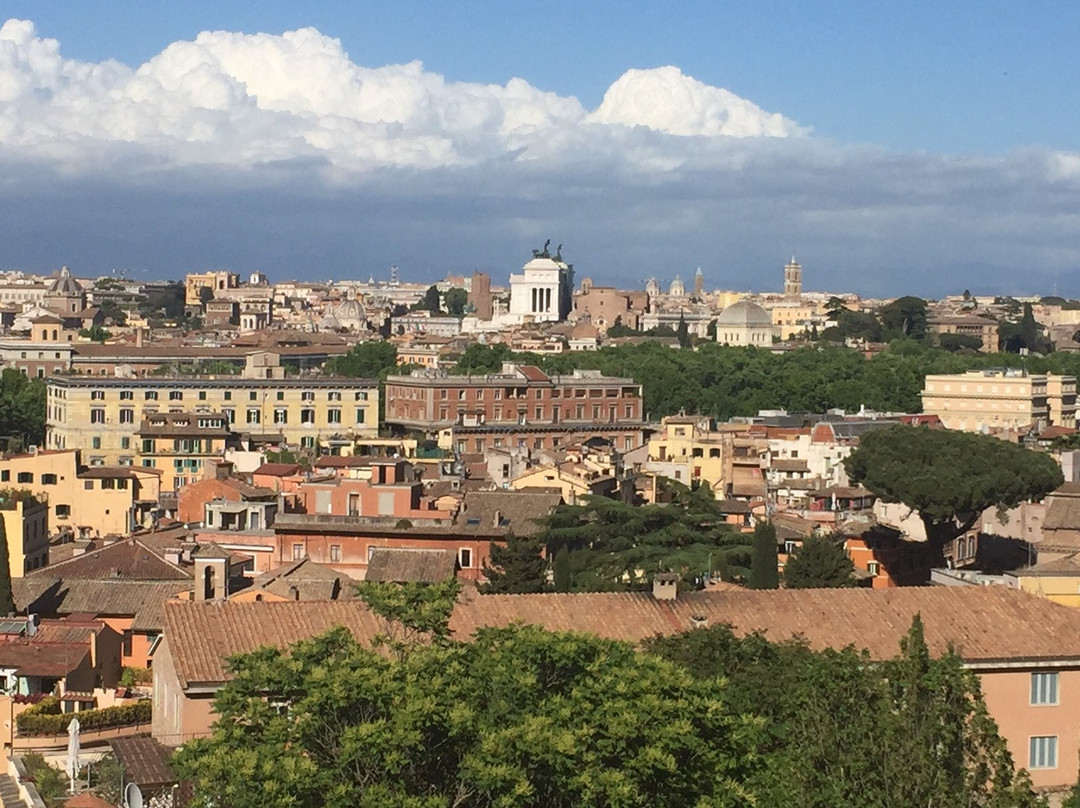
x: 229, y: 98
x: 666, y: 100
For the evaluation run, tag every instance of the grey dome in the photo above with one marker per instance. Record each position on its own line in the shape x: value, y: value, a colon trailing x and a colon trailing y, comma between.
x: 744, y: 313
x: 65, y: 285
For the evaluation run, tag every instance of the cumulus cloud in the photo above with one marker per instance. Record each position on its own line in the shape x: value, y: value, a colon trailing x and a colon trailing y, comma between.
x: 243, y: 99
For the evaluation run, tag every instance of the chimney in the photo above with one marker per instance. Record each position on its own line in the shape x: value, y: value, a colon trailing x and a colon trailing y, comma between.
x: 665, y: 585
x: 699, y: 621
x: 172, y: 555
x: 138, y: 337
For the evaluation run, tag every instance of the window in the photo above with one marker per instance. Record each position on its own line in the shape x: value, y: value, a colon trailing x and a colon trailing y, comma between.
x: 230, y: 415
x: 335, y: 552
x: 465, y: 558
x: 307, y: 442
x: 176, y: 395
x: 253, y: 416
x: 48, y: 479
x: 361, y: 415
x: 88, y: 485
x: 281, y: 416
x: 125, y: 442
x: 307, y: 395
x: 253, y: 396
x: 1042, y: 752
x: 127, y: 395
x: 297, y: 552
x: 307, y: 416
x: 5, y: 476
x: 1044, y: 688
x: 95, y: 442
x: 228, y: 395
x: 280, y: 395
x: 333, y: 416
x: 872, y: 567
x: 97, y: 416
x: 63, y: 511
x: 333, y: 395
x: 127, y: 415
x: 202, y: 395
x: 25, y: 477
x: 361, y: 395
x: 150, y: 395
x: 97, y: 395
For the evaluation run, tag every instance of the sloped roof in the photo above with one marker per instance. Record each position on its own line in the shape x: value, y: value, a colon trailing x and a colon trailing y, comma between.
x: 146, y: 762
x: 1063, y: 508
x: 278, y: 469
x: 401, y: 565
x: 984, y: 624
x: 142, y: 600
x: 519, y: 512
x: 129, y: 559
x: 53, y: 660
x: 312, y: 581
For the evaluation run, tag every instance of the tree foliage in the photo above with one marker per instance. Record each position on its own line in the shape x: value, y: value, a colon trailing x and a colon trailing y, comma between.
x: 949, y: 477
x: 517, y: 567
x: 7, y: 597
x: 613, y: 545
x: 365, y: 360
x: 518, y: 717
x: 22, y: 409
x: 840, y: 731
x: 456, y: 300
x: 820, y: 563
x: 412, y: 614
x: 764, y: 561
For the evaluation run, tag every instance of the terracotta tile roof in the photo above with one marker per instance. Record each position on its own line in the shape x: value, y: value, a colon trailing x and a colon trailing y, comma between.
x: 145, y: 761
x: 1063, y: 508
x: 86, y: 800
x: 201, y: 635
x: 62, y: 631
x: 405, y: 565
x: 278, y: 469
x: 984, y: 624
x: 54, y: 660
x: 533, y: 373
x: 311, y: 581
x: 343, y: 462
x: 141, y: 600
x: 785, y: 464
x: 516, y: 511
x: 130, y: 559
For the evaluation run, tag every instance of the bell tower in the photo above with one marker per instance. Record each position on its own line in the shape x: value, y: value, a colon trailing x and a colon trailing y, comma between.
x: 793, y: 279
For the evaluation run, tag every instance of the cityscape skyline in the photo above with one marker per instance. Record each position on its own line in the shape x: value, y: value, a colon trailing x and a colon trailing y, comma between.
x: 207, y: 151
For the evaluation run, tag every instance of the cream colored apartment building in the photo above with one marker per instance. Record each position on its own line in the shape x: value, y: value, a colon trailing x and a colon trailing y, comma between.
x: 981, y: 400
x: 104, y: 416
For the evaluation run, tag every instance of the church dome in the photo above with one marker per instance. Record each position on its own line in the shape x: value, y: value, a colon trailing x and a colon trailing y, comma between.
x: 677, y: 289
x: 744, y: 313
x: 65, y: 285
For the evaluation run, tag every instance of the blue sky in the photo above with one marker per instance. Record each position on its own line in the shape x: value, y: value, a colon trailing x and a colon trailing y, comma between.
x: 918, y: 147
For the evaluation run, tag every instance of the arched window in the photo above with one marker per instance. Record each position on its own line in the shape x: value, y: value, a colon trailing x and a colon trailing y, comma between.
x: 208, y: 583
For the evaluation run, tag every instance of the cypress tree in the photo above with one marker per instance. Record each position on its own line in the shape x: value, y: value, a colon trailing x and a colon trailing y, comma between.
x: 764, y: 572
x: 7, y: 599
x: 563, y: 578
x: 683, y: 332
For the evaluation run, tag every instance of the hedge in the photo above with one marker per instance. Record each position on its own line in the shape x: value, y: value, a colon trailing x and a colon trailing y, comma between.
x: 35, y: 722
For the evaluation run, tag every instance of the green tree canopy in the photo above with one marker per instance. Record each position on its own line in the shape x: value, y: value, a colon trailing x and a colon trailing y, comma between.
x: 614, y: 545
x: 518, y: 717
x: 456, y: 300
x: 373, y: 359
x: 764, y: 561
x: 22, y: 408
x: 904, y: 317
x: 949, y: 477
x: 840, y: 731
x: 517, y: 567
x: 820, y: 563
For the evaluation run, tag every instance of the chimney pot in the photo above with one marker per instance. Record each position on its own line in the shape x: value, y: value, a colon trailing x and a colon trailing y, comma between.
x: 665, y: 586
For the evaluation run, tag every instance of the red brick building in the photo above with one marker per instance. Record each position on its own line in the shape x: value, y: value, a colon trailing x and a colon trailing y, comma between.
x: 519, y: 406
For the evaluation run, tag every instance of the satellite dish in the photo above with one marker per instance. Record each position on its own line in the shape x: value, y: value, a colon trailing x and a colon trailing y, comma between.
x: 133, y: 796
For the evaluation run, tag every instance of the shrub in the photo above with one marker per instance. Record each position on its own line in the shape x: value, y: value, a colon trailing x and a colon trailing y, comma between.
x: 135, y: 675
x: 34, y: 722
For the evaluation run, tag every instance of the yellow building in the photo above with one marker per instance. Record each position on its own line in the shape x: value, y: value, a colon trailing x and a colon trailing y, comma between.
x: 1057, y: 580
x: 87, y: 502
x: 219, y: 281
x: 103, y: 415
x: 999, y: 399
x: 573, y: 480
x: 687, y: 449
x: 26, y: 526
x: 795, y: 320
